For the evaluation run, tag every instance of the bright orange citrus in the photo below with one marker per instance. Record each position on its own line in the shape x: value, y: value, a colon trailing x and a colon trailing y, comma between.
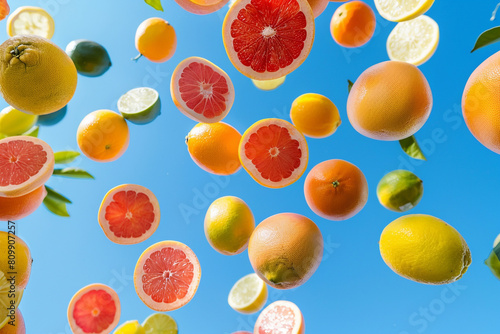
x: 22, y: 265
x: 15, y: 208
x: 315, y: 115
x: 156, y: 40
x: 4, y: 9
x: 318, y: 6
x: 18, y: 328
x: 353, y: 24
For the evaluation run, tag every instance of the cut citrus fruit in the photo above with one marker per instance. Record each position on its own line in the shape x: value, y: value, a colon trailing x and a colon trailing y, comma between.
x: 248, y: 295
x: 28, y: 20
x: 129, y: 214
x: 160, y: 323
x: 269, y: 84
x: 413, y: 41
x: 201, y: 90
x: 281, y: 317
x: 202, y: 7
x: 167, y: 276
x: 130, y: 327
x: 399, y: 11
x: 274, y: 152
x: 94, y: 309
x: 267, y: 39
x: 26, y: 163
x: 140, y: 105
x: 7, y: 297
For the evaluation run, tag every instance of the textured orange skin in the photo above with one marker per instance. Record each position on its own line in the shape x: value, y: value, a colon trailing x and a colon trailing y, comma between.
x: 15, y: 208
x: 200, y: 9
x: 156, y: 40
x: 340, y: 202
x: 290, y: 240
x: 389, y: 101
x: 19, y: 328
x: 481, y: 103
x: 23, y: 260
x: 353, y: 24
x: 4, y: 12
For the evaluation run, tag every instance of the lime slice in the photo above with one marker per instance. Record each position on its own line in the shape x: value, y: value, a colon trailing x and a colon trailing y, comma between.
x: 130, y: 327
x: 402, y: 10
x: 27, y: 20
x: 413, y: 41
x: 5, y: 300
x: 248, y: 295
x: 160, y: 323
x: 14, y: 122
x: 140, y: 105
x: 269, y: 84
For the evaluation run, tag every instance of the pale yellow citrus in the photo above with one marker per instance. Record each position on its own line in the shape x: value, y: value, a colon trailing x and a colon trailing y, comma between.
x: 248, y: 295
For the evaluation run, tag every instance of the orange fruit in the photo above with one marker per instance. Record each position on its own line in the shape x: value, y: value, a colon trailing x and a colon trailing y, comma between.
x: 202, y: 7
x: 19, y: 325
x: 4, y: 9
x: 390, y: 101
x: 318, y: 6
x: 26, y: 164
x: 129, y: 214
x: 22, y: 265
x: 353, y: 24
x: 167, y: 276
x: 274, y: 153
x: 214, y: 147
x: 480, y: 103
x: 201, y: 90
x: 94, y: 309
x: 315, y: 115
x: 336, y: 189
x: 264, y: 46
x: 156, y: 40
x: 285, y: 250
x: 280, y: 317
x: 103, y: 135
x: 15, y: 208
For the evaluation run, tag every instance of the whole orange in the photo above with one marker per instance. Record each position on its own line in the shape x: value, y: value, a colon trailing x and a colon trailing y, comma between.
x: 353, y: 24
x: 18, y: 328
x: 22, y: 263
x: 336, y: 189
x: 15, y: 208
x: 156, y: 40
x: 390, y: 101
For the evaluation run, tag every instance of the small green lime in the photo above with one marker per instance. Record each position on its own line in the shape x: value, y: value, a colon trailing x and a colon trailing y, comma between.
x: 160, y: 323
x: 91, y: 59
x: 400, y: 190
x: 14, y: 122
x: 140, y: 105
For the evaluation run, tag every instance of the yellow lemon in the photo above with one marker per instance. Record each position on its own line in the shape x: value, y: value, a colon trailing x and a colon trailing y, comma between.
x: 399, y: 11
x: 248, y: 295
x: 130, y: 327
x: 14, y: 122
x: 28, y: 20
x: 269, y: 84
x: 315, y: 115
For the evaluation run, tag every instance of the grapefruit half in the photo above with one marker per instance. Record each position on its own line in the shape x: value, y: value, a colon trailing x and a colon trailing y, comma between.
x: 167, y: 276
x: 280, y: 317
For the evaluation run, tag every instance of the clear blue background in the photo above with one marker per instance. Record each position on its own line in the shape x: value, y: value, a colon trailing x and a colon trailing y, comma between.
x: 353, y: 291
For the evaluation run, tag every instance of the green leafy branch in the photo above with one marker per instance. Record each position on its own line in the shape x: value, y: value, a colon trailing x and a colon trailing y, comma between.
x: 489, y: 36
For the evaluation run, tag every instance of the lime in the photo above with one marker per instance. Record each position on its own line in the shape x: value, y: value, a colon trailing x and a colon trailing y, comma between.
x: 400, y: 190
x: 492, y: 261
x: 130, y: 327
x: 91, y: 59
x: 269, y: 84
x: 160, y: 323
x: 14, y: 122
x: 140, y: 105
x: 248, y: 295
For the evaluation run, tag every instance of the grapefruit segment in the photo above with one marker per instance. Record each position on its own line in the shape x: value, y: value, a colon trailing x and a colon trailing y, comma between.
x: 167, y: 276
x: 129, y: 214
x: 280, y: 317
x: 274, y: 152
x: 26, y: 163
x: 201, y: 90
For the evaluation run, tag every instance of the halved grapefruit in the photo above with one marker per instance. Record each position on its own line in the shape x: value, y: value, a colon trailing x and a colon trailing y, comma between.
x: 280, y: 317
x: 26, y: 163
x: 94, y: 309
x: 267, y: 39
x: 202, y: 7
x: 167, y: 276
x: 201, y: 90
x: 129, y: 214
x: 274, y: 152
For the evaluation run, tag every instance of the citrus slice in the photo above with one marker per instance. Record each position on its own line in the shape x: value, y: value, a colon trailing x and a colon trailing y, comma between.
x: 130, y: 327
x: 281, y: 317
x: 14, y: 122
x: 269, y: 84
x: 129, y: 214
x: 274, y: 152
x: 201, y: 90
x: 201, y: 7
x: 140, y: 105
x: 28, y: 20
x: 160, y: 323
x: 413, y: 41
x: 26, y: 163
x: 267, y: 39
x: 167, y: 276
x: 7, y: 297
x: 399, y: 11
x: 94, y: 309
x: 248, y: 295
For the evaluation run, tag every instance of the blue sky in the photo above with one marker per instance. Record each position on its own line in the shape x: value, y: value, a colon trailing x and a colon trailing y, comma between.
x: 353, y: 291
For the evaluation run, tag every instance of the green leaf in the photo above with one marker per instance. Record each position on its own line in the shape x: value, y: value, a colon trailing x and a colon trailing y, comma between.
x: 496, y: 250
x: 33, y: 132
x: 73, y: 172
x: 54, y: 194
x: 410, y: 146
x: 156, y: 4
x: 349, y: 85
x: 65, y: 157
x: 488, y: 37
x: 56, y: 203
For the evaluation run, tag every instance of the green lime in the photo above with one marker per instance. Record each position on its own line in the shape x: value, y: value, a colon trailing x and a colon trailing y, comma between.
x: 400, y: 190
x: 91, y: 59
x: 140, y: 105
x: 160, y: 323
x: 14, y: 122
x: 492, y: 261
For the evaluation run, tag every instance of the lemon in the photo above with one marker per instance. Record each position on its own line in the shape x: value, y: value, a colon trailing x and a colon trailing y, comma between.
x: 402, y: 10
x: 140, y: 105
x: 28, y: 20
x: 160, y: 323
x: 400, y: 190
x: 269, y: 84
x: 14, y: 122
x: 413, y: 41
x: 248, y: 295
x: 492, y: 261
x: 130, y: 327
x: 315, y: 115
x: 91, y: 59
x: 229, y: 223
x: 5, y: 299
x: 424, y: 249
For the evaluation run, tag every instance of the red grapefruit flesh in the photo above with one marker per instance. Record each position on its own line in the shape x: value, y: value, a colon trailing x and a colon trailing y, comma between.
x: 94, y: 309
x: 281, y: 317
x: 26, y: 163
x: 202, y: 7
x: 267, y: 39
x: 129, y: 214
x: 167, y: 276
x: 274, y: 152
x: 201, y: 90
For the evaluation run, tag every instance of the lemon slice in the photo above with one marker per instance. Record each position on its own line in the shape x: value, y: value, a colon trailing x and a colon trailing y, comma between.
x: 402, y: 10
x: 29, y: 20
x: 160, y: 323
x: 413, y: 41
x: 269, y: 84
x: 248, y: 295
x: 130, y: 327
x: 140, y: 105
x: 5, y: 299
